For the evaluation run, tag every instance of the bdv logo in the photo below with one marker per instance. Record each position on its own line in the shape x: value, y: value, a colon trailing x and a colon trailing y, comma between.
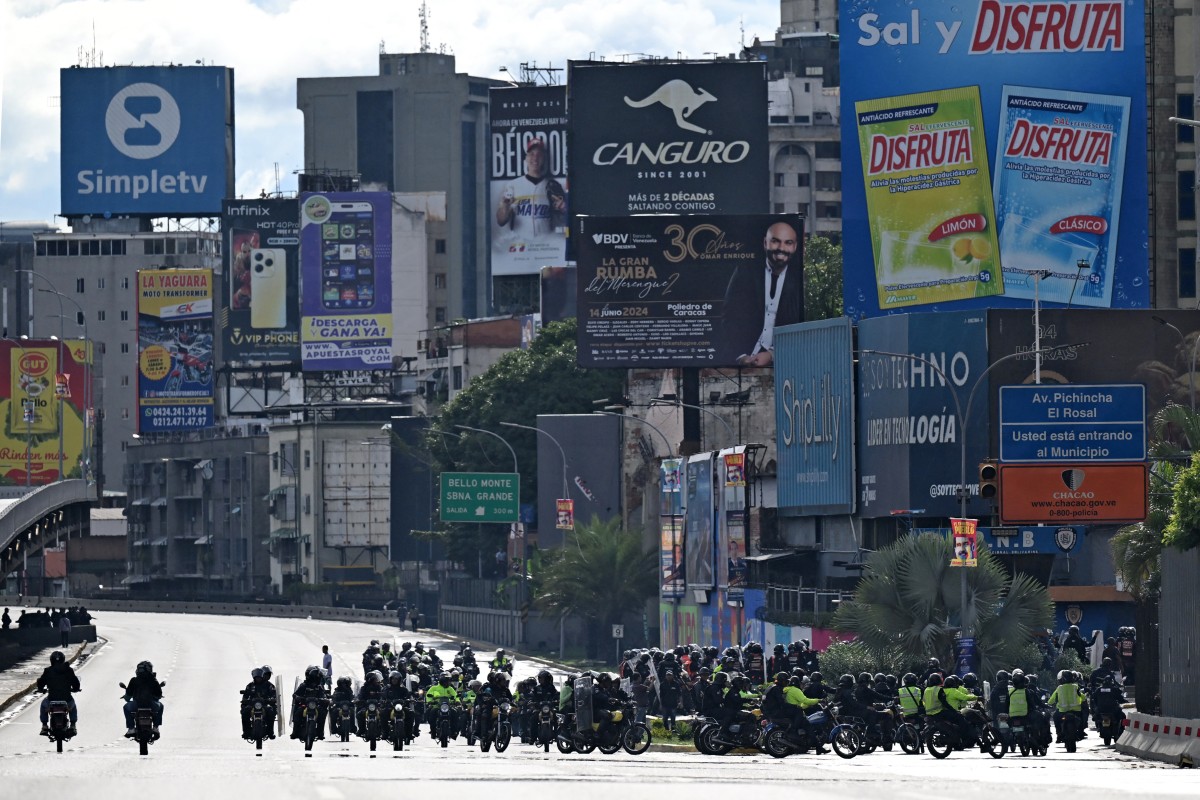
x: 142, y: 121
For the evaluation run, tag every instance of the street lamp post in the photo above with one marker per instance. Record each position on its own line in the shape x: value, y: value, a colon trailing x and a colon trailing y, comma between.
x: 664, y: 401
x: 1183, y: 344
x: 651, y: 426
x: 285, y: 463
x: 563, y: 453
x: 964, y: 417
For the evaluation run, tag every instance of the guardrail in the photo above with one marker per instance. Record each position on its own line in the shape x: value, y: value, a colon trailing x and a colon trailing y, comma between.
x: 188, y: 607
x: 484, y: 624
x: 1169, y: 739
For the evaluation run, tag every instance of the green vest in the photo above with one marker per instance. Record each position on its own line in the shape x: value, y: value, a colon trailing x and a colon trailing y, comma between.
x: 1066, y: 698
x: 933, y: 700
x: 910, y: 700
x: 1018, y: 702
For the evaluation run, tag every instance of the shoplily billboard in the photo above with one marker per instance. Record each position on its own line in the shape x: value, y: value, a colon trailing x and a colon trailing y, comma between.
x: 986, y: 141
x: 146, y: 140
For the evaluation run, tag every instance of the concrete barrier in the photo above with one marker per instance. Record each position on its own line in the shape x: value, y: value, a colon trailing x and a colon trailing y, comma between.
x: 223, y: 609
x: 1169, y: 739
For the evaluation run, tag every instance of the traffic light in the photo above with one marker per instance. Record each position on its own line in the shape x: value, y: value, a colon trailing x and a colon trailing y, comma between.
x: 989, y: 480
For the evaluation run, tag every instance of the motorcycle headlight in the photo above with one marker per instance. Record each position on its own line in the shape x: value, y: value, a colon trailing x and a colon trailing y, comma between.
x: 545, y: 709
x: 312, y: 704
x: 370, y: 707
x: 1002, y: 717
x: 258, y: 706
x: 505, y: 707
x: 445, y: 707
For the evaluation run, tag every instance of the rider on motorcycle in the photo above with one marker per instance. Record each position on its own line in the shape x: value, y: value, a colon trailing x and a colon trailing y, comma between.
x: 311, y: 688
x: 733, y: 707
x: 502, y: 663
x: 58, y: 681
x: 397, y: 692
x: 372, y: 691
x: 343, y: 693
x: 938, y: 708
x: 864, y: 696
x: 1066, y: 699
x: 143, y: 690
x: 259, y: 688
x: 1106, y: 699
x: 910, y: 698
x: 606, y: 698
x: 998, y: 702
x: 435, y: 695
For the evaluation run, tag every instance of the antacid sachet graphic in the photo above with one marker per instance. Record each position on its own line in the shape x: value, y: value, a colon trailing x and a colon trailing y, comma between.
x: 1060, y: 161
x: 929, y: 197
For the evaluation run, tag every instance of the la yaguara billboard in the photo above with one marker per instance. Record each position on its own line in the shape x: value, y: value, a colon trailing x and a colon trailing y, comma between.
x: 175, y: 349
x: 528, y: 178
x: 260, y: 304
x: 673, y: 291
x: 985, y: 143
x: 146, y: 140
x: 346, y: 280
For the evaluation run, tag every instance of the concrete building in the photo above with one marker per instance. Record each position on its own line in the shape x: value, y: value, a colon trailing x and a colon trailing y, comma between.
x: 417, y: 126
x: 456, y: 353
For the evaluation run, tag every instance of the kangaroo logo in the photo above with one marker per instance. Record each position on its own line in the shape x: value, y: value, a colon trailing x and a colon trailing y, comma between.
x: 142, y: 121
x: 681, y: 98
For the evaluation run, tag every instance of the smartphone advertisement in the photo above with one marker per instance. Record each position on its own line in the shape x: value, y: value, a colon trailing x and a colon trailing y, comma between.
x: 260, y: 319
x: 346, y: 281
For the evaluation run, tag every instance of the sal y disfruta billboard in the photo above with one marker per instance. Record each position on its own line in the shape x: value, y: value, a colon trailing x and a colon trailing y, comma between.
x: 346, y: 281
x: 260, y: 304
x: 175, y: 349
x: 146, y: 140
x: 985, y: 143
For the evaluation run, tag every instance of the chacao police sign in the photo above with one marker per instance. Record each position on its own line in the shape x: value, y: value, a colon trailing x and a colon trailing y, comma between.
x: 146, y: 140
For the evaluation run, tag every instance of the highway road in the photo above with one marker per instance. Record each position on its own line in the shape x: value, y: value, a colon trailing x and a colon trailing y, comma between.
x: 205, y: 660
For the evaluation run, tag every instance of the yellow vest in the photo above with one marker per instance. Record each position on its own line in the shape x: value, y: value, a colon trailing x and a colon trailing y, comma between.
x: 933, y: 700
x: 1018, y: 702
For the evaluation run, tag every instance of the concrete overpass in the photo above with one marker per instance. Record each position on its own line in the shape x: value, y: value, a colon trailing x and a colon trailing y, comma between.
x: 46, y: 515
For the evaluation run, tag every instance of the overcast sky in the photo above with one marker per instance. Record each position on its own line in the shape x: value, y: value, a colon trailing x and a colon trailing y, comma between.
x: 271, y: 43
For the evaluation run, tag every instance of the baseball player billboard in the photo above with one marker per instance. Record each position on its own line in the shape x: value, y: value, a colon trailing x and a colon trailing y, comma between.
x: 528, y: 176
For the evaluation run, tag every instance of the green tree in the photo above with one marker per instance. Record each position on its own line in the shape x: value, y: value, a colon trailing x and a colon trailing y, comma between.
x: 602, y: 573
x: 544, y: 379
x: 907, y: 607
x: 822, y: 278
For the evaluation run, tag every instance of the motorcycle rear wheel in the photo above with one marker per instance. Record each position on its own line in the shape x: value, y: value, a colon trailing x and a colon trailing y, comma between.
x: 776, y: 744
x: 939, y: 744
x: 846, y: 741
x: 564, y: 745
x: 709, y: 738
x: 636, y: 739
x: 994, y: 744
x: 909, y: 739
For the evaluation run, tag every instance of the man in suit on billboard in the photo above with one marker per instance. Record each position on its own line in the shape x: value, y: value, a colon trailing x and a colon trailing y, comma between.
x: 761, y: 297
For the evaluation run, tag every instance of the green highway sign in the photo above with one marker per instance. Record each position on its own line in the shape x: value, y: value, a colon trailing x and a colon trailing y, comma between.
x: 480, y: 496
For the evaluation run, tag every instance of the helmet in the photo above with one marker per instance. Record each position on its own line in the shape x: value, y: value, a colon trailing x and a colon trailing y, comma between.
x: 545, y: 678
x: 266, y: 668
x: 704, y: 672
x: 669, y: 657
x: 1064, y: 676
x: 395, y: 675
x: 1002, y: 676
x: 934, y: 680
x: 1018, y: 671
x: 145, y: 668
x: 878, y: 677
x: 374, y: 643
x: 627, y: 655
x: 255, y: 674
x: 343, y: 682
x: 782, y: 677
x: 604, y: 678
x: 386, y: 646
x: 444, y: 679
x: 846, y: 680
x: 797, y: 681
x: 890, y: 680
x: 377, y: 662
x: 500, y: 653
x: 970, y: 680
x: 312, y: 674
x: 1019, y: 681
x: 778, y: 649
x: 952, y: 682
x: 474, y: 686
x: 1073, y: 629
x: 406, y: 646
x: 910, y: 679
x: 57, y: 657
x: 720, y: 679
x: 422, y: 668
x: 1032, y: 680
x: 816, y: 677
x: 458, y: 662
x: 864, y: 677
x: 1107, y: 662
x: 933, y: 662
x: 374, y: 676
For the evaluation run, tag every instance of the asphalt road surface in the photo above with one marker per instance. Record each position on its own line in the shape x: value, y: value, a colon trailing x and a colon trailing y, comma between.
x: 205, y: 660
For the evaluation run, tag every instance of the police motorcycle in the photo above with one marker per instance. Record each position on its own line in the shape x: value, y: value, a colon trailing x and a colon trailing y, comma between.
x: 545, y: 730
x: 581, y: 732
x: 942, y: 736
x: 824, y: 727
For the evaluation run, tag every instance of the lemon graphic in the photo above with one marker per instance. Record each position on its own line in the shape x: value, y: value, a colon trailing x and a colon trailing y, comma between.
x: 981, y: 249
x: 962, y: 249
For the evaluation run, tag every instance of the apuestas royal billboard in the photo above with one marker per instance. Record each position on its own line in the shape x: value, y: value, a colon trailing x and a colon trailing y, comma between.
x: 984, y: 140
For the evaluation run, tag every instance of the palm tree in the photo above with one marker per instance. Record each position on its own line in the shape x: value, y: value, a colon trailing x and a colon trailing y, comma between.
x: 908, y: 605
x: 602, y: 573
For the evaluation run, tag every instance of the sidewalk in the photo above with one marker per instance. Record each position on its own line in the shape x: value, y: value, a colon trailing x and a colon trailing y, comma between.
x: 20, y: 679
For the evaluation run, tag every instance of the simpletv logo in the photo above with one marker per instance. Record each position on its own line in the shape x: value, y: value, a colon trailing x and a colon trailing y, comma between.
x: 142, y: 121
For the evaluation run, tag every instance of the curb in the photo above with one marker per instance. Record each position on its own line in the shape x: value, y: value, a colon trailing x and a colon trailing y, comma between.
x: 4, y: 704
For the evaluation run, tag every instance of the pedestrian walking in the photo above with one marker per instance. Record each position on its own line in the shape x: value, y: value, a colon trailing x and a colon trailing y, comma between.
x: 64, y: 629
x: 327, y: 665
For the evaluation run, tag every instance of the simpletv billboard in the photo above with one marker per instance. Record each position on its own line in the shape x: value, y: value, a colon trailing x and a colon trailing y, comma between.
x: 146, y: 140
x: 987, y: 142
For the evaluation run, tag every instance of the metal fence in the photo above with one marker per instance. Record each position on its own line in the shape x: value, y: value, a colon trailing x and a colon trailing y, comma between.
x: 1179, y: 634
x: 798, y: 600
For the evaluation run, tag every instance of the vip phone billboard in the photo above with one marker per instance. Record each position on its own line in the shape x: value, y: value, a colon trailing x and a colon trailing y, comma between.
x: 668, y: 138
x: 984, y: 142
x: 260, y: 304
x: 175, y: 349
x: 346, y: 281
x: 38, y: 377
x: 528, y: 176
x: 694, y: 291
x: 146, y: 140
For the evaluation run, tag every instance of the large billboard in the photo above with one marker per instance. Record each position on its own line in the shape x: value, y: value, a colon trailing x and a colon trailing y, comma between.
x: 914, y: 372
x: 38, y: 379
x: 695, y: 291
x: 528, y: 174
x: 668, y: 138
x: 175, y: 349
x: 814, y: 417
x: 993, y: 151
x: 146, y: 140
x: 699, y: 515
x: 260, y: 304
x: 346, y: 281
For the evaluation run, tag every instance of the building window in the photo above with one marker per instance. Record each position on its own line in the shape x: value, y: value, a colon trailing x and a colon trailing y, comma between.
x: 1187, y: 194
x: 439, y: 247
x: 439, y: 280
x: 100, y: 283
x: 124, y: 347
x: 308, y: 459
x: 457, y: 378
x: 803, y: 180
x: 829, y: 150
x: 307, y: 504
x: 439, y: 314
x: 1187, y: 272
x: 78, y: 317
x: 124, y: 380
x: 124, y: 316
x: 124, y: 413
x: 100, y: 315
x: 1185, y: 107
x: 124, y: 283
x: 780, y: 208
x: 781, y: 179
x: 79, y: 286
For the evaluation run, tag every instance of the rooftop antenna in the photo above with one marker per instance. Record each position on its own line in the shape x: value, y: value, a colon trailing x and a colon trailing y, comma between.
x: 278, y: 189
x: 424, y: 27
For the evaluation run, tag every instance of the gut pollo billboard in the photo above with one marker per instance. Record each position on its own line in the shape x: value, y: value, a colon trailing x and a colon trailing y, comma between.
x: 987, y: 142
x: 175, y: 349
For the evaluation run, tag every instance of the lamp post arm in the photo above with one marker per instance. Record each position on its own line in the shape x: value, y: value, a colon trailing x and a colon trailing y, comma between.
x: 650, y: 425
x: 713, y: 414
x: 563, y: 453
x: 498, y: 436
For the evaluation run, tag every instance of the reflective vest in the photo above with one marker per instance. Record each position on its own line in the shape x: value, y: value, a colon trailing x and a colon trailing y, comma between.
x: 1018, y: 702
x: 1066, y: 698
x: 933, y: 700
x: 958, y: 698
x: 438, y: 692
x: 910, y: 700
x: 795, y: 697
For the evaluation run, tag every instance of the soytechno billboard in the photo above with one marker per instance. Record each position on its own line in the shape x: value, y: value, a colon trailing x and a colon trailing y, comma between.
x: 146, y: 140
x: 984, y: 142
x: 528, y: 178
x: 260, y: 307
x: 668, y: 138
x: 34, y: 385
x: 175, y: 349
x: 346, y: 281
x: 671, y: 291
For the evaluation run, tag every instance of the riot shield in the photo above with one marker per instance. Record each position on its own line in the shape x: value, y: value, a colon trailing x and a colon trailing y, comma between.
x: 583, y: 704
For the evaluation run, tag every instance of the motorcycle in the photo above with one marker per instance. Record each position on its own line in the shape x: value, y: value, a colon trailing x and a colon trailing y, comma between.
x: 497, y: 730
x: 443, y: 722
x: 781, y: 741
x: 372, y: 725
x: 943, y: 737
x: 342, y: 718
x: 717, y: 739
x: 59, y: 723
x: 909, y: 735
x: 258, y: 724
x: 621, y: 733
x: 1071, y: 730
x: 1019, y: 735
x: 145, y: 732
x: 310, y: 709
x: 398, y: 730
x: 546, y: 727
x: 873, y: 736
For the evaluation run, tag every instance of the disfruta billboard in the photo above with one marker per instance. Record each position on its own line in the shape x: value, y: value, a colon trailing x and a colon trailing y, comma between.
x: 175, y: 349
x: 985, y: 142
x: 528, y: 178
x: 668, y: 138
x: 146, y: 140
x: 346, y: 280
x: 674, y: 291
x: 38, y: 377
x: 260, y: 304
